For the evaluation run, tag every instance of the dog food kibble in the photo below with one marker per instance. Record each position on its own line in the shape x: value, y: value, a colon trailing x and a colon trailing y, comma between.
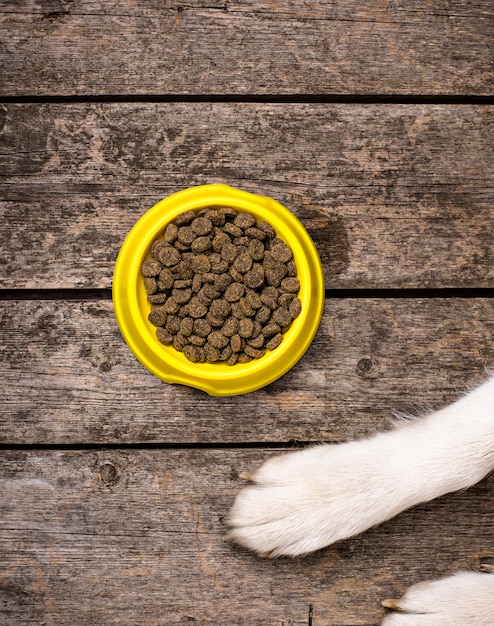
x: 222, y: 287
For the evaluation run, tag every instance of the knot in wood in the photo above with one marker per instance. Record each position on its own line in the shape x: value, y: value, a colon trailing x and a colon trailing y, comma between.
x: 108, y: 474
x: 364, y: 366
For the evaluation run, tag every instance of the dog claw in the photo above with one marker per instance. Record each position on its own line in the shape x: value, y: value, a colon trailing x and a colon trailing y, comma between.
x: 249, y: 476
x: 485, y: 567
x: 389, y: 603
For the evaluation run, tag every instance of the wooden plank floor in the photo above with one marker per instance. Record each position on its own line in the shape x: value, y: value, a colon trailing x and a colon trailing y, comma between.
x: 373, y: 123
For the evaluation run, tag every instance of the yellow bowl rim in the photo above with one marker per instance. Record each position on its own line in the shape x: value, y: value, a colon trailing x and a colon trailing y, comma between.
x: 131, y: 306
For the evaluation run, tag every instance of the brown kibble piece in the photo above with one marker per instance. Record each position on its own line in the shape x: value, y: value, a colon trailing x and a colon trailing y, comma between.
x: 253, y: 300
x: 268, y: 229
x: 169, y: 256
x: 290, y: 285
x: 281, y: 316
x: 269, y: 302
x: 222, y: 281
x: 226, y: 353
x: 234, y: 292
x: 196, y: 308
x: 274, y: 342
x: 254, y: 278
x: 183, y: 270
x: 207, y: 294
x: 156, y: 246
x: 157, y: 316
x: 243, y: 263
x: 164, y: 337
x: 200, y: 264
x: 171, y: 232
x: 192, y: 353
x: 218, y: 265
x: 196, y: 340
x: 280, y: 251
x: 236, y: 342
x: 172, y: 324
x: 229, y: 252
x: 246, y: 309
x: 229, y: 212
x: 201, y: 226
x: 202, y: 328
x: 220, y: 308
x: 187, y: 326
x: 182, y: 284
x: 275, y: 273
x: 219, y: 240
x: 291, y: 268
x: 232, y: 230
x: 255, y: 353
x: 196, y: 283
x: 255, y: 233
x: 257, y: 342
x: 186, y: 235
x: 216, y: 217
x: 211, y: 353
x: 246, y: 327
x: 216, y: 322
x: 185, y: 218
x: 230, y: 327
x: 244, y: 358
x: 165, y: 279
x: 256, y: 249
x: 217, y: 339
x: 201, y: 244
x: 151, y: 267
x: 263, y: 314
x: 157, y: 298
x: 236, y: 275
x: 295, y: 308
x: 244, y: 220
x: 182, y: 295
x: 150, y: 285
x: 171, y: 306
x: 270, y: 330
x: 286, y: 299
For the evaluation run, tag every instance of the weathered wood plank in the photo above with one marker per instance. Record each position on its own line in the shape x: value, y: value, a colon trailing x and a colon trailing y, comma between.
x: 135, y: 537
x: 246, y: 47
x: 394, y: 196
x: 67, y: 376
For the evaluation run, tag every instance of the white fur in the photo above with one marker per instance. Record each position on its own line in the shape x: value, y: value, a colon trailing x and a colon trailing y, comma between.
x: 306, y: 500
x: 466, y: 599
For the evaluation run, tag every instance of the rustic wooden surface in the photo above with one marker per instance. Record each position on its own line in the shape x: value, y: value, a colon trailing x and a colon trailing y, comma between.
x: 393, y: 196
x: 72, y: 559
x: 372, y: 122
x: 62, y: 47
x: 70, y: 378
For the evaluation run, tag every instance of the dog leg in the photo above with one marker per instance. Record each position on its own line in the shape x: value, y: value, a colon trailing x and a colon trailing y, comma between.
x: 303, y: 501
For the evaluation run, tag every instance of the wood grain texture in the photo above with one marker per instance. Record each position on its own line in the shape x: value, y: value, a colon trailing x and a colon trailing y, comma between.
x: 135, y: 537
x: 393, y: 196
x: 68, y: 377
x: 85, y: 47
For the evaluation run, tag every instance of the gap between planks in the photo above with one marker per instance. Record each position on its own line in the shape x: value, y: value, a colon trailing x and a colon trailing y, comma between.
x: 79, y: 295
x: 294, y: 98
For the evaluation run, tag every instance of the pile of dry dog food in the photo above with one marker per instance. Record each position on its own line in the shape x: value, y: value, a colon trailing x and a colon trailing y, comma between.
x: 223, y: 287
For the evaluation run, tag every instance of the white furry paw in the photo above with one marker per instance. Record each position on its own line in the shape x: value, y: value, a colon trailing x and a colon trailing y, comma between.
x: 465, y: 599
x: 306, y: 500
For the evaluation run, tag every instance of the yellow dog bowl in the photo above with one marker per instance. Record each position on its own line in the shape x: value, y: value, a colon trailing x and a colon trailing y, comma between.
x: 132, y: 307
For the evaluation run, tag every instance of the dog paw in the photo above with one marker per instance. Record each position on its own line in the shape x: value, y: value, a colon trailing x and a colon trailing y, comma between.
x: 306, y: 500
x: 465, y: 599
